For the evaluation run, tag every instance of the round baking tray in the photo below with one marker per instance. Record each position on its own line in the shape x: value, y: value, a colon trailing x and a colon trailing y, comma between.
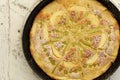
x: 26, y: 42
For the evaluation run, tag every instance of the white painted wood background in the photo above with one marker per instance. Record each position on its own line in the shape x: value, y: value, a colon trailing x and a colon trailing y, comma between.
x: 13, y: 65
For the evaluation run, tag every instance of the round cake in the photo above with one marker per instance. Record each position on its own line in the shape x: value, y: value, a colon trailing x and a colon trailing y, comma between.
x: 74, y: 39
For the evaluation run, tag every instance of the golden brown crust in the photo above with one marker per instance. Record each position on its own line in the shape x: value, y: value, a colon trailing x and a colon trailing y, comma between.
x: 74, y: 40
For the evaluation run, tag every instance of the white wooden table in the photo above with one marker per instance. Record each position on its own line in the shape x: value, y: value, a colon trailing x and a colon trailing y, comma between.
x: 13, y: 65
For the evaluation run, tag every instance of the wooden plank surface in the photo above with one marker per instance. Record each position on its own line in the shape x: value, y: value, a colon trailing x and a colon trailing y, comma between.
x: 13, y: 65
x: 18, y: 67
x: 4, y: 41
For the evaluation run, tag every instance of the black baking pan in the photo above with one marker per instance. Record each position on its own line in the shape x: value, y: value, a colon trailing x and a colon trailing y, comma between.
x: 26, y: 42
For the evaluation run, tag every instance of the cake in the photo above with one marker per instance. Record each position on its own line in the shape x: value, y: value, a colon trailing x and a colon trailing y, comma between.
x: 74, y: 39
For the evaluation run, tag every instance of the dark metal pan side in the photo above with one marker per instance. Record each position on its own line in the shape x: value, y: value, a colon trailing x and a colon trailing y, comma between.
x: 114, y: 66
x: 26, y: 38
x: 26, y: 42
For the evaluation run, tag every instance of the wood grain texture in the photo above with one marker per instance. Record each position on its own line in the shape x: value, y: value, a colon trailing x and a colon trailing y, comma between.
x: 18, y: 66
x: 13, y: 65
x: 4, y: 40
